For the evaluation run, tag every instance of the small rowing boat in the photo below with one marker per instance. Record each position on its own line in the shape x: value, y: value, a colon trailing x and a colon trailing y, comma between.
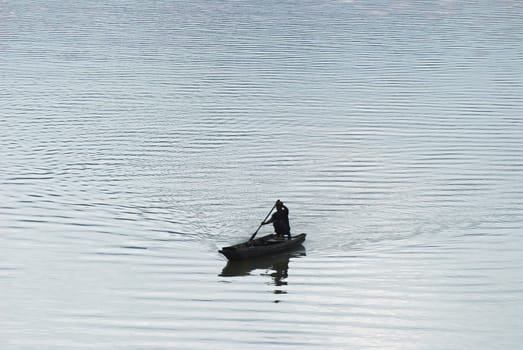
x: 266, y: 245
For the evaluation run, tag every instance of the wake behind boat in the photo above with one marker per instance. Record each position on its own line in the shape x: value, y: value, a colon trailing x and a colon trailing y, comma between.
x: 266, y: 245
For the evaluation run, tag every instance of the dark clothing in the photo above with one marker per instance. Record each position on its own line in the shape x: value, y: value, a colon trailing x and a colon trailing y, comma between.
x: 280, y: 221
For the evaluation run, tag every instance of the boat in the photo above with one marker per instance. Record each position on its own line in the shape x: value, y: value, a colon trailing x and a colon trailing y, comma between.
x: 266, y: 245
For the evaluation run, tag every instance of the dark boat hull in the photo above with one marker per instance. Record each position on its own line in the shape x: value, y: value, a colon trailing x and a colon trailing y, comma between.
x: 266, y: 245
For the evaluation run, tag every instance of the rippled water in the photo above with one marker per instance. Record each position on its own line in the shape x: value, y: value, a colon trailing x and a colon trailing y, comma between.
x: 137, y: 138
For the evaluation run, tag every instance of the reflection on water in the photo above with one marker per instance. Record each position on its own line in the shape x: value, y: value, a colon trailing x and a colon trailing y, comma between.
x: 276, y: 267
x: 278, y: 263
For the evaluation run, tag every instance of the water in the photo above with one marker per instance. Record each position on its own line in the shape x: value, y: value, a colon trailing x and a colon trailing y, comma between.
x: 137, y: 138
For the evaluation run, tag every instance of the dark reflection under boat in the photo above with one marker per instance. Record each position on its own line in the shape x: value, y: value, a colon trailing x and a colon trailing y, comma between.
x: 279, y: 264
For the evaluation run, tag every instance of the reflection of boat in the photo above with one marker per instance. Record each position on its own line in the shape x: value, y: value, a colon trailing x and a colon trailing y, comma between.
x: 279, y: 263
x: 266, y: 245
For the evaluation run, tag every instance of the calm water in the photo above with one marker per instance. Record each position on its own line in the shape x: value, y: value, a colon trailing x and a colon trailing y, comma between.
x: 139, y: 137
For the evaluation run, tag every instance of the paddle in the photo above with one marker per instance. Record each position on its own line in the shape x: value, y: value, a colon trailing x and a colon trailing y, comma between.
x: 254, y: 234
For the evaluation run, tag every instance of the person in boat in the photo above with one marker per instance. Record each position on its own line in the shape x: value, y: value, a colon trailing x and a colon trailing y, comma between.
x: 280, y: 220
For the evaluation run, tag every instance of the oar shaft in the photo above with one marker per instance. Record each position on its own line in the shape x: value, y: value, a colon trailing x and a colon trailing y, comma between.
x: 256, y: 232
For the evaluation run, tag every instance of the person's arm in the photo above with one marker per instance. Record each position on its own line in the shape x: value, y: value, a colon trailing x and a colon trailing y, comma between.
x: 267, y: 222
x: 271, y: 220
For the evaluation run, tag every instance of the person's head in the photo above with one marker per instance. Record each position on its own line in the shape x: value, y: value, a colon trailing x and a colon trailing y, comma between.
x: 279, y: 205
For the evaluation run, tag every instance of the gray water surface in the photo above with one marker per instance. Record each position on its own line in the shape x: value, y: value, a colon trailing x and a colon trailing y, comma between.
x: 137, y: 138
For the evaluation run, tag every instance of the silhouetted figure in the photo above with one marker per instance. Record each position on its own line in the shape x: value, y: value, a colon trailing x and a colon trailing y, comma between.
x: 280, y: 220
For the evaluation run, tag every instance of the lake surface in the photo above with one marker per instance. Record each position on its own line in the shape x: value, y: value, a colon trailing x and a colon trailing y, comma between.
x: 139, y: 137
